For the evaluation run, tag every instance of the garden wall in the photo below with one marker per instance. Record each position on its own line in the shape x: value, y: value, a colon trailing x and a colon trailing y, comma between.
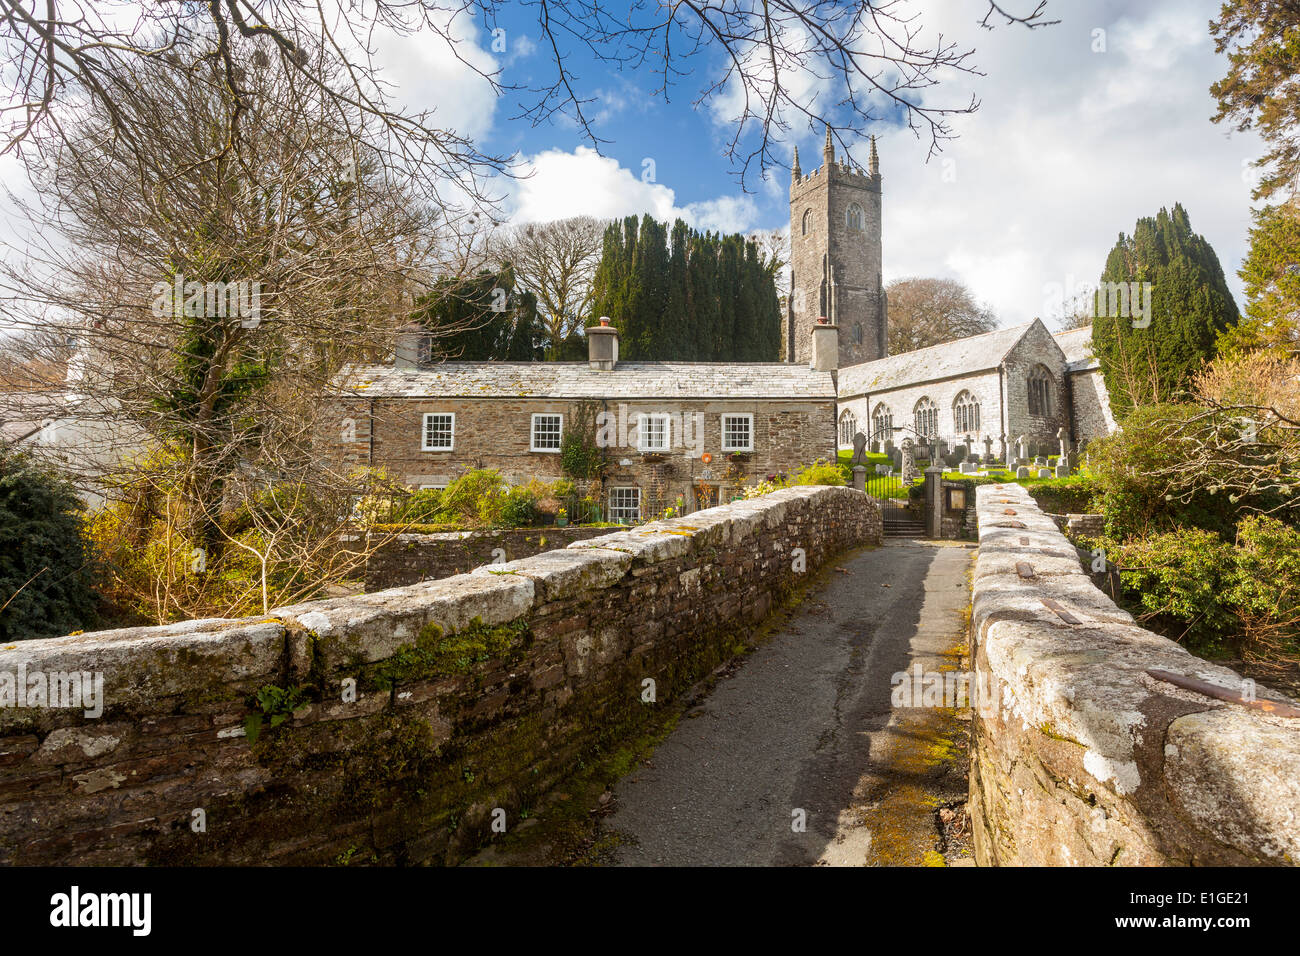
x: 1081, y: 757
x: 410, y: 558
x: 388, y: 727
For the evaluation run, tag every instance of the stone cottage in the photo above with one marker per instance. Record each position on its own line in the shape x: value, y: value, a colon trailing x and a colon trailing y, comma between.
x: 673, y: 434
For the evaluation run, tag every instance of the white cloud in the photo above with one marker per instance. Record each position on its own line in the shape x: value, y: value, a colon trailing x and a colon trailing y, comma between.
x: 1068, y: 149
x: 522, y: 47
x: 424, y: 73
x: 558, y: 184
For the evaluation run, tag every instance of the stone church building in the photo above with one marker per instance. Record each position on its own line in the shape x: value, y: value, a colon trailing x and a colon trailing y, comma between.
x: 688, y: 435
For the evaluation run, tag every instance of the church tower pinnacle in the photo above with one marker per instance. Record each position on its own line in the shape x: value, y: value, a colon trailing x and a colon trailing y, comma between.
x: 828, y: 151
x: 795, y: 171
x: 873, y: 165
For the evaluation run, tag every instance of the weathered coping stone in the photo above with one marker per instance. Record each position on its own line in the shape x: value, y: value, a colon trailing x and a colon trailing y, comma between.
x: 473, y: 692
x: 1080, y: 757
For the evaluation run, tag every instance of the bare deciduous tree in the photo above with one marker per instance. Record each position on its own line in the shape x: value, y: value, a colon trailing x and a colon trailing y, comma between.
x: 556, y: 261
x: 925, y: 312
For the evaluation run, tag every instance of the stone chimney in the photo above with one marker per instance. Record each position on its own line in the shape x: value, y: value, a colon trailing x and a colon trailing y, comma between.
x: 825, y: 346
x: 406, y: 353
x: 602, y: 345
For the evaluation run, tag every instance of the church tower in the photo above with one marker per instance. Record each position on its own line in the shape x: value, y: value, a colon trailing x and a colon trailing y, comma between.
x: 835, y: 258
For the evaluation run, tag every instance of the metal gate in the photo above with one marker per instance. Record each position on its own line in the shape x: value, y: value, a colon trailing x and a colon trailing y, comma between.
x: 892, y: 495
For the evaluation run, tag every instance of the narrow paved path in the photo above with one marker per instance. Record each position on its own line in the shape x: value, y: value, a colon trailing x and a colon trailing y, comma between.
x: 806, y: 725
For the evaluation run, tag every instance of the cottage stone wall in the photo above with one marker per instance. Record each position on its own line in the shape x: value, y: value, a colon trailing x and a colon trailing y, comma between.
x: 471, y: 693
x: 1083, y: 759
x: 495, y: 433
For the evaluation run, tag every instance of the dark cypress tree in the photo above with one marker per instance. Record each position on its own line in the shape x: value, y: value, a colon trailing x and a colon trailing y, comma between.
x: 730, y: 319
x: 701, y: 297
x: 702, y: 277
x: 648, y: 303
x: 1190, y: 307
x: 482, y: 318
x: 677, y: 322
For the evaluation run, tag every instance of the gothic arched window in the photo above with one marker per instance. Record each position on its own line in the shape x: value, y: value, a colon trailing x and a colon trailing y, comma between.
x: 926, y: 414
x: 807, y: 220
x: 882, y: 423
x: 853, y: 217
x: 966, y: 413
x: 857, y: 334
x: 848, y: 427
x: 1041, y: 387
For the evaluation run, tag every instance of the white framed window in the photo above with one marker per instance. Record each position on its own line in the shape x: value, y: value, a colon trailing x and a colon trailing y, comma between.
x: 738, y: 432
x: 442, y: 487
x: 439, y: 431
x: 625, y: 505
x: 653, y: 432
x: 546, y: 432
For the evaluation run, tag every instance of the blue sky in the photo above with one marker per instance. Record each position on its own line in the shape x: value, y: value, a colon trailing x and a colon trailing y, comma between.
x: 1078, y: 134
x: 1084, y: 127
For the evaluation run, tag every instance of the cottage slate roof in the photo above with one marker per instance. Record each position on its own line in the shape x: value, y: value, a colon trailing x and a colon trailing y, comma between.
x: 1077, y: 346
x: 577, y: 380
x: 961, y: 357
x: 22, y: 413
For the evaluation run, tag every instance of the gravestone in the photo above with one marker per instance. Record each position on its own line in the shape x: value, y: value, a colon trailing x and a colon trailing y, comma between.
x: 1044, y: 473
x: 1062, y: 471
x: 1022, y: 450
x: 910, y: 472
x: 1022, y: 472
x: 968, y: 467
x: 1064, y: 440
x: 859, y: 449
x: 988, y: 450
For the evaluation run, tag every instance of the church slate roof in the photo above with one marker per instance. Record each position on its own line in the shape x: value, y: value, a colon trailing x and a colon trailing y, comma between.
x: 1077, y: 346
x: 963, y: 357
x: 577, y: 380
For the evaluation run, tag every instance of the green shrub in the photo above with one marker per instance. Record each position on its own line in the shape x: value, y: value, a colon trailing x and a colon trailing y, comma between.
x: 820, y: 472
x: 518, y: 508
x: 421, y: 507
x: 46, y: 571
x: 1133, y: 495
x: 1182, y: 582
x: 1074, y: 494
x: 1266, y: 586
x: 462, y: 498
